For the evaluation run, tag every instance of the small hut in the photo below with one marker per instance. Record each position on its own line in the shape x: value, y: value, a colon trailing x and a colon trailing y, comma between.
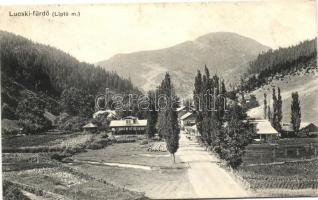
x: 90, y: 128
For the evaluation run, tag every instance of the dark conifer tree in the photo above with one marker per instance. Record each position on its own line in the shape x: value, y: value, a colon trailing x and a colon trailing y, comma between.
x: 152, y: 115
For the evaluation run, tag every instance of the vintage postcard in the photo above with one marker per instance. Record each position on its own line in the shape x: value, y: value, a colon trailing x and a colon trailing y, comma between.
x: 159, y: 100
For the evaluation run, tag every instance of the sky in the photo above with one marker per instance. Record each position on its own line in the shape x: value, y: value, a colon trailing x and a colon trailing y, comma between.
x: 102, y: 31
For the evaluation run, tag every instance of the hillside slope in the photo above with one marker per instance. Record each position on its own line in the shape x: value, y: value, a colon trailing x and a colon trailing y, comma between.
x: 227, y: 54
x: 292, y: 69
x: 305, y: 83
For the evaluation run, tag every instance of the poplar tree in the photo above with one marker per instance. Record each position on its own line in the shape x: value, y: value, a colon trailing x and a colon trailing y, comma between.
x: 274, y: 117
x: 197, y: 100
x: 169, y: 126
x: 265, y: 106
x: 295, y: 112
x: 279, y: 110
x: 152, y: 115
x: 269, y: 114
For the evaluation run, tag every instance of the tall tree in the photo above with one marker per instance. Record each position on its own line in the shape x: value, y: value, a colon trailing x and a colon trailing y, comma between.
x: 265, y: 106
x: 269, y: 114
x: 168, y: 117
x: 275, y: 109
x: 279, y: 110
x: 295, y: 112
x: 152, y: 115
x: 197, y: 100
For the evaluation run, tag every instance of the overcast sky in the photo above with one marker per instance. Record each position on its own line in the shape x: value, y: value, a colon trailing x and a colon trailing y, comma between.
x: 102, y: 31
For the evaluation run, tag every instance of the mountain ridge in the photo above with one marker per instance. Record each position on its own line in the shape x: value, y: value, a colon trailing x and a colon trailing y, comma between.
x: 223, y: 52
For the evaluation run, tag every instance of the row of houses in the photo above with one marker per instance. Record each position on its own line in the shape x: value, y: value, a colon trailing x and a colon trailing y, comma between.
x: 187, y: 121
x: 264, y: 129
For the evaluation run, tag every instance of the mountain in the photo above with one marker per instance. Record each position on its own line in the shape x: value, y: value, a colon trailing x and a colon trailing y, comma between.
x: 226, y: 54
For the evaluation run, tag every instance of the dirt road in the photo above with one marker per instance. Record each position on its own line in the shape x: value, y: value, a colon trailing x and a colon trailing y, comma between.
x: 207, y: 179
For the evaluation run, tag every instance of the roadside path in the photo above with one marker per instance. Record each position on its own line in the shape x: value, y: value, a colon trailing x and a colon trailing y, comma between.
x: 207, y: 179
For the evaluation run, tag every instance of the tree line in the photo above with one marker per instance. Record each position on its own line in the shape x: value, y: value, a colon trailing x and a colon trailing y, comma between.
x: 224, y: 129
x: 282, y: 61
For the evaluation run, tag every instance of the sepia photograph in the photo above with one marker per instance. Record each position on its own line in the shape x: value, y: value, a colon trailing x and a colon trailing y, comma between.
x: 159, y: 100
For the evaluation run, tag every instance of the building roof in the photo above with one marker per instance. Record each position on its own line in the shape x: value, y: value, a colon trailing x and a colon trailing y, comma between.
x: 180, y: 108
x: 49, y: 116
x: 123, y: 123
x: 90, y: 125
x: 289, y: 127
x: 264, y: 127
x: 130, y: 117
x: 185, y: 116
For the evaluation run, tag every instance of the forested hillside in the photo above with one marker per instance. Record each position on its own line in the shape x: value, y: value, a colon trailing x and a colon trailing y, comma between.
x: 47, y: 69
x: 35, y: 75
x: 279, y: 63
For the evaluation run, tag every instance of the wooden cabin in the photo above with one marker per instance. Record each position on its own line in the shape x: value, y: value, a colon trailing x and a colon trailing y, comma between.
x: 265, y: 130
x: 305, y: 128
x: 90, y: 128
x: 187, y: 119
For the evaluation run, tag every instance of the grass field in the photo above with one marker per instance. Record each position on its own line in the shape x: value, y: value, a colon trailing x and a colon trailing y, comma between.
x: 153, y: 182
x: 130, y: 153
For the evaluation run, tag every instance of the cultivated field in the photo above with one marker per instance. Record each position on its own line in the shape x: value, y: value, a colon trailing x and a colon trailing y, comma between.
x: 276, y: 169
x: 36, y: 174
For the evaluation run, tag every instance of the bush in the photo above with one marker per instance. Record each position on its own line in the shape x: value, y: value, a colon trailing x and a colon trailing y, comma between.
x: 60, y: 156
x: 98, y: 144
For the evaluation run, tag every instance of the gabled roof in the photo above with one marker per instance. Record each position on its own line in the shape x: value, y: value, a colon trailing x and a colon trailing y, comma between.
x: 123, y: 123
x: 264, y: 127
x: 90, y: 125
x: 185, y: 116
x: 49, y: 116
x: 289, y: 127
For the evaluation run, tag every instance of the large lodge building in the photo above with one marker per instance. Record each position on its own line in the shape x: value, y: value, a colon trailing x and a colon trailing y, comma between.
x: 128, y: 125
